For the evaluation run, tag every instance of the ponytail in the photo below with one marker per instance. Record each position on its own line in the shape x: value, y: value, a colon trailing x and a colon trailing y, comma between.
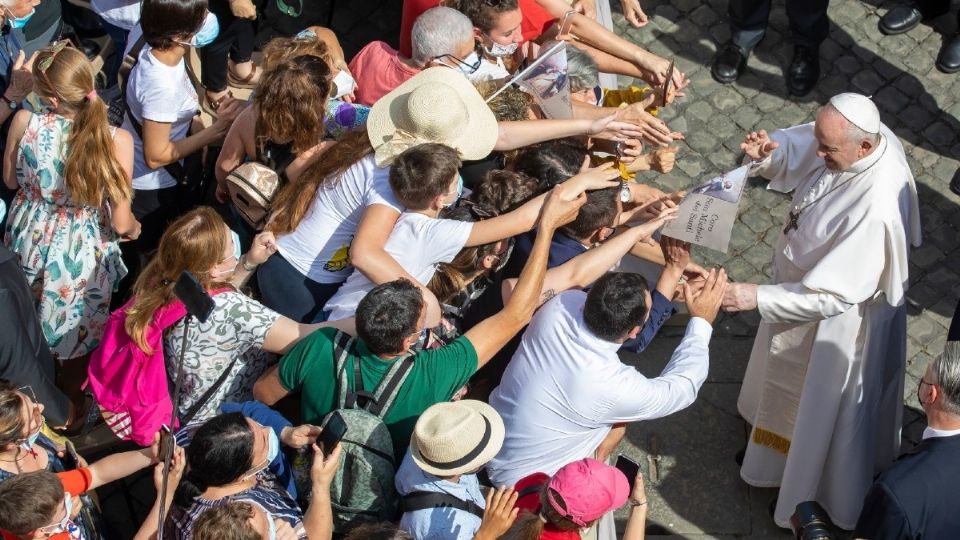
x: 189, y: 489
x: 528, y: 526
x: 92, y: 169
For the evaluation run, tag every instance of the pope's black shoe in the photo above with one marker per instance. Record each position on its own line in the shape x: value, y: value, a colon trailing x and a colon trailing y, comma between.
x: 729, y: 64
x: 804, y: 70
x: 900, y: 19
x: 955, y: 182
x: 948, y: 61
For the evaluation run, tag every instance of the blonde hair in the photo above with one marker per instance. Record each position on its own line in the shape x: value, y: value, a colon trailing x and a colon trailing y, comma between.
x: 92, y: 169
x: 193, y: 243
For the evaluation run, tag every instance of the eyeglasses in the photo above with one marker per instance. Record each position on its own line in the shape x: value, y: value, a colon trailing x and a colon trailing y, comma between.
x: 472, y: 67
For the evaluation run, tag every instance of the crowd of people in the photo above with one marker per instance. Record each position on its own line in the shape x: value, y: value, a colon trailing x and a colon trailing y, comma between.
x: 386, y: 298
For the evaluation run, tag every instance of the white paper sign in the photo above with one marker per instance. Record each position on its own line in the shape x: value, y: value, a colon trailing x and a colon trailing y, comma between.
x: 708, y: 212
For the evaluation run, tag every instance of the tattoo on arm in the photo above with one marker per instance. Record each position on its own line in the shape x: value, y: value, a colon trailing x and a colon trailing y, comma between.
x: 547, y: 295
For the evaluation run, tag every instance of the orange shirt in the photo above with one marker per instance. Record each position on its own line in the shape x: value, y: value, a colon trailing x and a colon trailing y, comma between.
x: 75, y: 482
x: 536, y: 20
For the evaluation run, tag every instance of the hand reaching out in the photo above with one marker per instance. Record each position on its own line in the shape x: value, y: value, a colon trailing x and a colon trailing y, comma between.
x: 557, y: 212
x: 21, y: 78
x: 757, y: 145
x: 740, y: 297
x: 706, y: 303
x: 499, y: 514
x: 675, y: 252
x: 634, y: 13
x: 264, y: 245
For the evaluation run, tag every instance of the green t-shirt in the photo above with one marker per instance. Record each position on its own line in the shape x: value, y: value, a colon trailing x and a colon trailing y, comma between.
x: 436, y: 375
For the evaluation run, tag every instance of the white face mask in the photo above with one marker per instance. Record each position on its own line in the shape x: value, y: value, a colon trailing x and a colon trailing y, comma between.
x: 500, y: 51
x: 345, y: 83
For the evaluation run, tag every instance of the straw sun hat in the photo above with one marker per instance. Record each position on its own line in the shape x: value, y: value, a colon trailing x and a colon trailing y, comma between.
x: 456, y: 437
x: 437, y: 105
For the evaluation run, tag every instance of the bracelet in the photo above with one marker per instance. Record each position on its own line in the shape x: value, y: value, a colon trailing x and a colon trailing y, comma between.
x: 247, y: 266
x: 634, y: 504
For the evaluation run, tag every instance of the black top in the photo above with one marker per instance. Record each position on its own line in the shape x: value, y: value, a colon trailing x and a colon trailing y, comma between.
x: 916, y: 497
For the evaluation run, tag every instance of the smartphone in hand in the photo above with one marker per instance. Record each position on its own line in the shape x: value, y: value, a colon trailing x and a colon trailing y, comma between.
x: 628, y: 467
x: 333, y: 430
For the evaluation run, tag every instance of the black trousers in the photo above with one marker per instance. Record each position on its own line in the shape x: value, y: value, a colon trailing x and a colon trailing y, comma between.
x: 808, y: 21
x: 954, y: 333
x: 235, y: 41
x: 934, y: 8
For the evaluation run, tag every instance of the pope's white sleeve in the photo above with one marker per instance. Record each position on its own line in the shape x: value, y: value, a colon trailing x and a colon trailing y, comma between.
x: 794, y: 303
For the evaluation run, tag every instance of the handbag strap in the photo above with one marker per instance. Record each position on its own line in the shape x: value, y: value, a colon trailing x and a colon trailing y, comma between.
x: 208, y: 395
x: 175, y: 168
x: 422, y: 500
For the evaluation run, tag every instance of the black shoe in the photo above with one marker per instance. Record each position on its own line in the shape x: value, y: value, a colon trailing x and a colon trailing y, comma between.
x: 948, y: 61
x: 740, y: 455
x: 772, y: 507
x: 729, y: 63
x: 900, y: 19
x: 804, y: 70
x: 955, y: 183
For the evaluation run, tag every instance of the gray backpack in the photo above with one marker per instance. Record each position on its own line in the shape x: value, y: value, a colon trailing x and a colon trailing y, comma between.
x: 363, y: 489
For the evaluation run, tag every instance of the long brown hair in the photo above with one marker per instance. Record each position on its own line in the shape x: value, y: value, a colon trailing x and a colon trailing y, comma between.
x: 295, y: 198
x: 291, y: 102
x: 281, y: 48
x: 11, y: 414
x: 529, y: 526
x: 92, y: 169
x: 500, y: 192
x: 194, y: 243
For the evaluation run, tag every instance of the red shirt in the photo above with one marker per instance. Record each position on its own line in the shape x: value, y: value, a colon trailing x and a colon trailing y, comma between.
x: 536, y: 20
x: 75, y: 482
x: 530, y: 502
x: 378, y: 70
x: 411, y: 10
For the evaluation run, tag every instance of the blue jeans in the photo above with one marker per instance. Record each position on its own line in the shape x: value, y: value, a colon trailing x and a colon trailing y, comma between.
x: 119, y: 37
x: 288, y: 292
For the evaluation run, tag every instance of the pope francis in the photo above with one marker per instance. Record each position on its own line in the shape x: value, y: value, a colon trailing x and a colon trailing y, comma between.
x: 824, y: 385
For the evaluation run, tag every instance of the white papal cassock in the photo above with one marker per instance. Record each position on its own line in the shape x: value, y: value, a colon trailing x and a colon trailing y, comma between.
x: 824, y: 385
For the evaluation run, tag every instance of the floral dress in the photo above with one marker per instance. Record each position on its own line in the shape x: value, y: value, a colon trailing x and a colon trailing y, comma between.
x: 68, y: 252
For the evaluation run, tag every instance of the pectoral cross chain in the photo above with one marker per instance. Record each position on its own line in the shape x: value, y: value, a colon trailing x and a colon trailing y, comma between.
x: 792, y: 224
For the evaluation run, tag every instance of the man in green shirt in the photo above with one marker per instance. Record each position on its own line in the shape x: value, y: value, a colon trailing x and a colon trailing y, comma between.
x: 389, y: 321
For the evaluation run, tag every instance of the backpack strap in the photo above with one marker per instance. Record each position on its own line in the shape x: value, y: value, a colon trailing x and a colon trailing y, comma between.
x: 389, y: 387
x: 175, y: 169
x: 423, y: 500
x: 342, y: 343
x: 197, y: 405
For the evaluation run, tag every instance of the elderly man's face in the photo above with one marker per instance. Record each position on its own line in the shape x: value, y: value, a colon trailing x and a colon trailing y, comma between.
x: 23, y: 7
x: 834, y: 144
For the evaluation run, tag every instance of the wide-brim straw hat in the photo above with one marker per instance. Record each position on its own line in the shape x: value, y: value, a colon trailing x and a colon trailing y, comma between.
x: 456, y: 437
x: 437, y: 105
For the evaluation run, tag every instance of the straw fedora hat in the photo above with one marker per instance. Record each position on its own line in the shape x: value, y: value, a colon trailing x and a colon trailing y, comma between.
x: 456, y: 437
x: 437, y: 105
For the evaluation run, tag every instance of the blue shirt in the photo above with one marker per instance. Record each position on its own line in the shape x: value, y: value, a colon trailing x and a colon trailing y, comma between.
x: 439, y: 523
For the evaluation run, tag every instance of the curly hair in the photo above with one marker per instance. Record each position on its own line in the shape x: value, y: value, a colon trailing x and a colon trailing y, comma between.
x: 291, y: 101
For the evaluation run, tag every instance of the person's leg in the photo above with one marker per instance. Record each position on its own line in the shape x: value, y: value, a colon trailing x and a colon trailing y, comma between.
x: 242, y: 51
x: 285, y: 290
x: 748, y: 21
x: 809, y: 23
x: 213, y: 57
x: 119, y: 37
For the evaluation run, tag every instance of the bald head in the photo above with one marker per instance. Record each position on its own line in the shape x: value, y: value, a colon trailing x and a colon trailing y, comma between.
x: 839, y: 142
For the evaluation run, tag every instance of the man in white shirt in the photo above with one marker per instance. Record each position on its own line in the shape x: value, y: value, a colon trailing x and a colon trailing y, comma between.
x: 566, y: 387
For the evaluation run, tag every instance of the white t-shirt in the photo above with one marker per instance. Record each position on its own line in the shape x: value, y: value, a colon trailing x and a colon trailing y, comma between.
x: 418, y: 243
x: 319, y: 247
x: 162, y: 93
x: 565, y: 387
x: 122, y: 13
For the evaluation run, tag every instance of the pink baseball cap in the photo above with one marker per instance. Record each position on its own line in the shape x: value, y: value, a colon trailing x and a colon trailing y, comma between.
x: 589, y: 489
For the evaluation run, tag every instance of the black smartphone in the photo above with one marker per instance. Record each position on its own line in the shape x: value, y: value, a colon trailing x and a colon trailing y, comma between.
x: 628, y: 467
x: 194, y: 297
x: 333, y: 429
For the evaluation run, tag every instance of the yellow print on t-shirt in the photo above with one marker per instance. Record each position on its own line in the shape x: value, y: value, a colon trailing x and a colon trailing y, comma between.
x: 340, y: 259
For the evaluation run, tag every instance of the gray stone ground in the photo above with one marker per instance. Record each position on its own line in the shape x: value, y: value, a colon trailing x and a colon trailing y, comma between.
x: 699, y: 493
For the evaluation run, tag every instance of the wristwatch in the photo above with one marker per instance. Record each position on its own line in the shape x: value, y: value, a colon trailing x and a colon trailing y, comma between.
x: 624, y: 192
x: 12, y: 103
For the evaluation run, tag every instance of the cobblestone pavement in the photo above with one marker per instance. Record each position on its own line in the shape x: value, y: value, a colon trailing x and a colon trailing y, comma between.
x: 697, y: 492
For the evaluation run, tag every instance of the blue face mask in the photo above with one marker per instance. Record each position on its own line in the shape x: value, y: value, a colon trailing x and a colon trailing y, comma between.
x: 273, y: 446
x: 28, y: 443
x: 22, y: 21
x: 207, y: 33
x: 459, y: 191
x: 236, y: 244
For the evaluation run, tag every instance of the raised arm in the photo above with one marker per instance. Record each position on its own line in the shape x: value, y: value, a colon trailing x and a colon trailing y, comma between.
x: 159, y: 150
x: 492, y: 334
x: 520, y: 133
x: 524, y: 218
x: 238, y: 145
x: 588, y: 267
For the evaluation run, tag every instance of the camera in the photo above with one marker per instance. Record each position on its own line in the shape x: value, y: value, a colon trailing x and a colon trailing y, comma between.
x: 811, y: 522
